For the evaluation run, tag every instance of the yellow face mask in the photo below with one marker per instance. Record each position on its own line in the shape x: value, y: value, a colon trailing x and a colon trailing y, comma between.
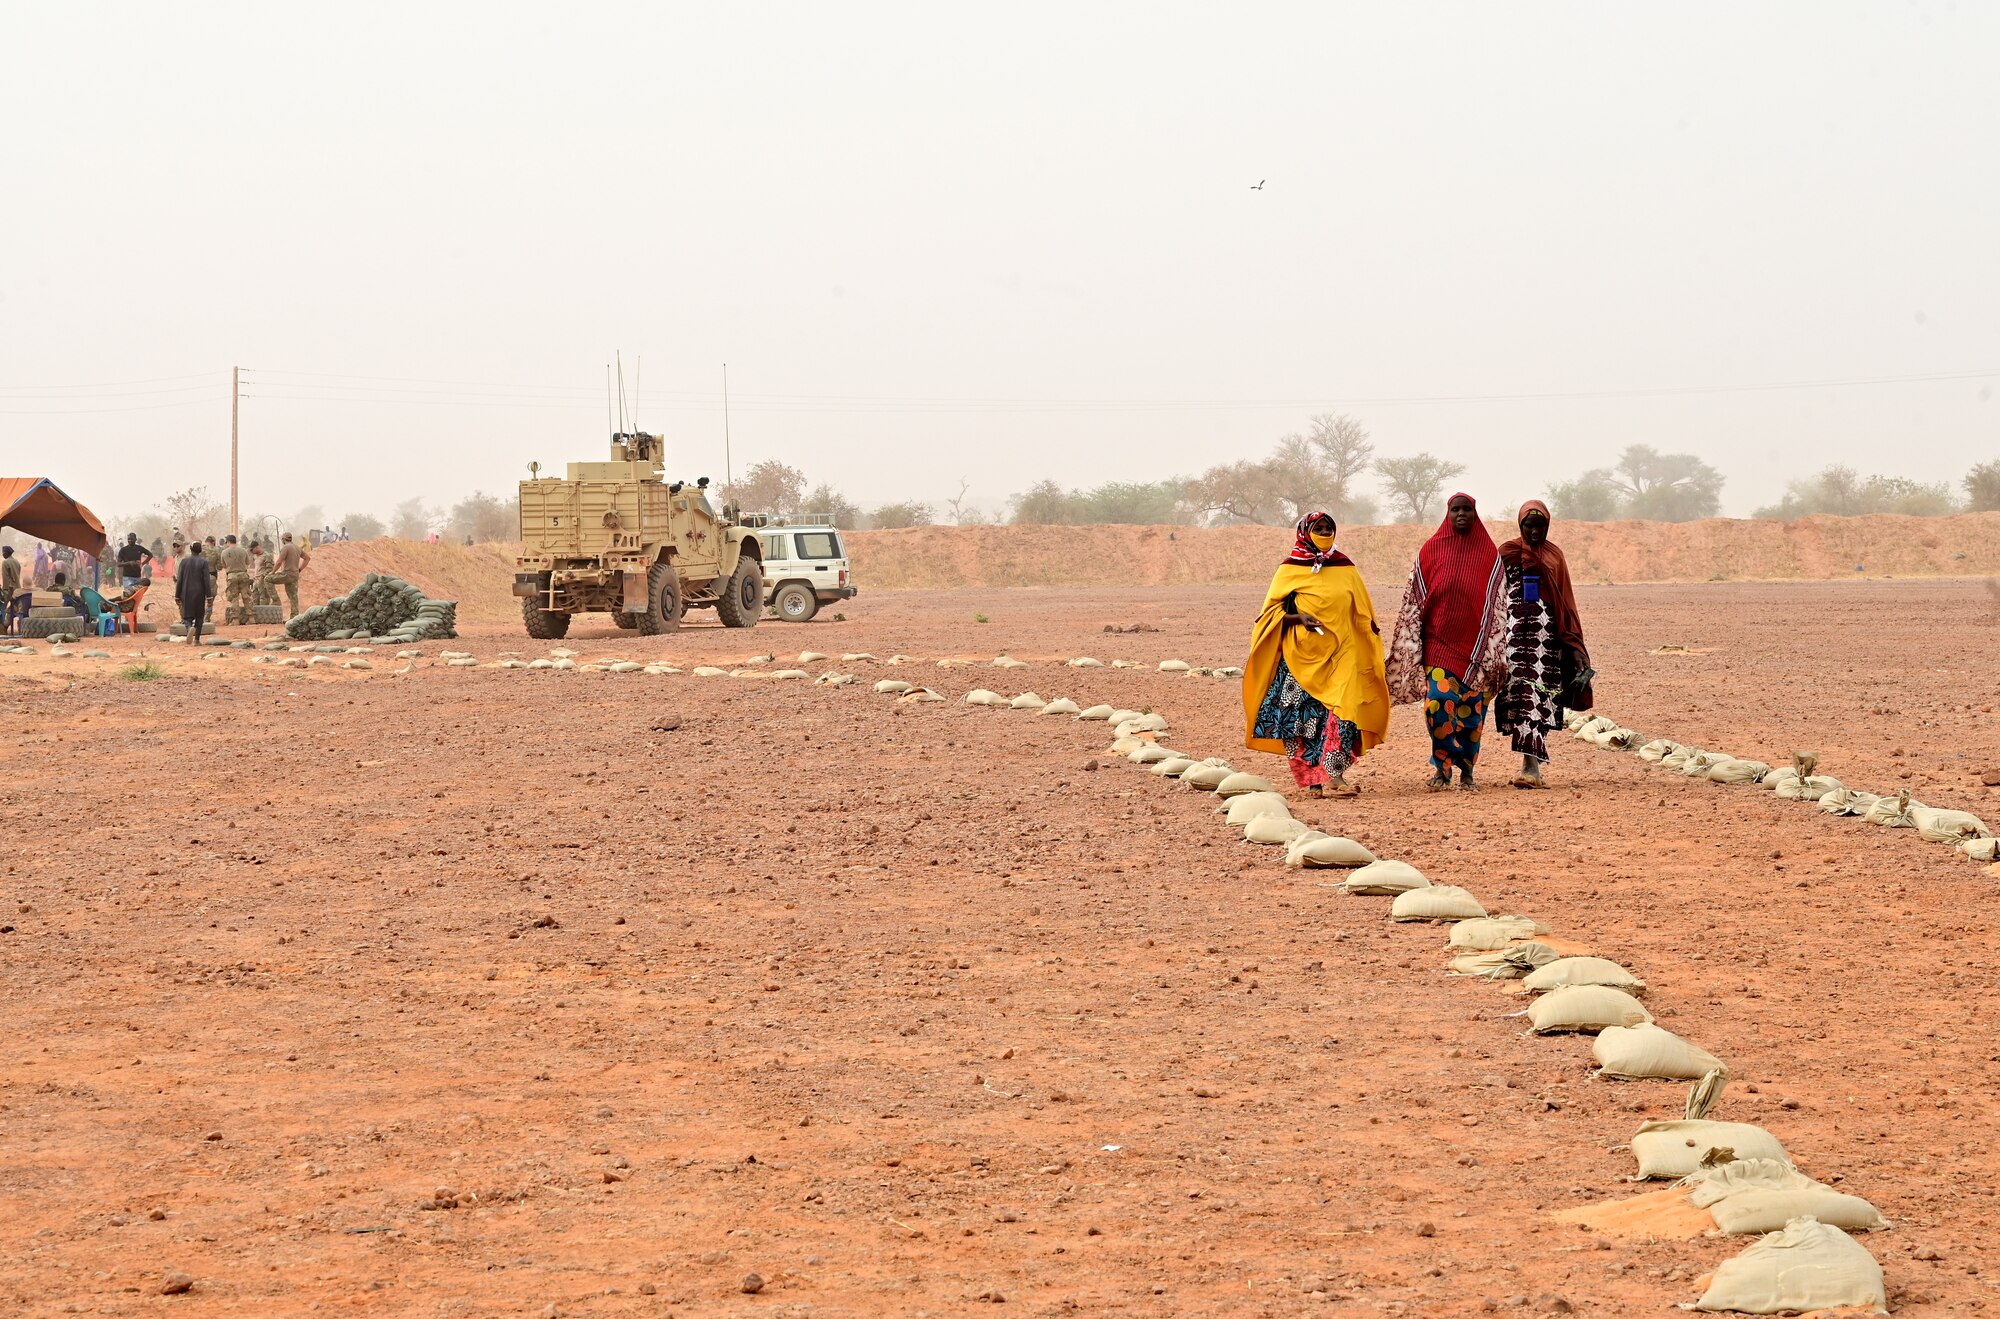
x: 1320, y: 543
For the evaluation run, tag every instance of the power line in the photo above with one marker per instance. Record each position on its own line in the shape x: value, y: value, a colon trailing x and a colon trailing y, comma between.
x: 78, y: 412
x: 327, y: 387
x: 473, y: 391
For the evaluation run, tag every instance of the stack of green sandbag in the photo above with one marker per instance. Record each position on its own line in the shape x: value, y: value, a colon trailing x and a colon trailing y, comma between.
x: 381, y: 610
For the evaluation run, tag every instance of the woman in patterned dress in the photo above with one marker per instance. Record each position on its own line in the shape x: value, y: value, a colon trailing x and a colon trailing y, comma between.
x: 1548, y: 665
x: 1450, y: 647
x: 1313, y: 689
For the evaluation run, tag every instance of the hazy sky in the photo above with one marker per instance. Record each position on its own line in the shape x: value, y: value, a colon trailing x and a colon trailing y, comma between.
x: 998, y: 242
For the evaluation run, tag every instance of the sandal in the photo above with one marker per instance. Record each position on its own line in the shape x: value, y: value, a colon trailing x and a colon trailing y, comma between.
x: 1438, y: 785
x: 1342, y: 790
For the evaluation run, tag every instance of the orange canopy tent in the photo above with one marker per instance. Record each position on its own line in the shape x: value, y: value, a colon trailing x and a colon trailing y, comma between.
x: 33, y: 504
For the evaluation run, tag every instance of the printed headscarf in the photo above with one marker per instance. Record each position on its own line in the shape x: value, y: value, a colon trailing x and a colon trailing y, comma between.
x: 1306, y: 554
x: 1462, y: 588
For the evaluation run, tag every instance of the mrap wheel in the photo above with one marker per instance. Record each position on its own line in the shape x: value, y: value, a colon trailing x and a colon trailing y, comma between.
x: 741, y: 602
x: 663, y: 601
x: 542, y: 624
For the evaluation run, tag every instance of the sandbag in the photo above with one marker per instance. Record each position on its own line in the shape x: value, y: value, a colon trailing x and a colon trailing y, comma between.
x: 1120, y: 716
x: 1810, y: 789
x: 980, y: 696
x: 1204, y: 776
x: 1494, y: 932
x: 1584, y: 1009
x: 1893, y: 812
x: 1807, y: 1266
x: 1778, y: 778
x: 1510, y: 963
x: 1678, y: 757
x: 1737, y: 771
x: 1656, y: 749
x: 1981, y: 849
x: 1385, y: 879
x: 1060, y: 705
x: 1698, y: 765
x: 1235, y: 785
x: 1677, y: 1149
x: 1757, y: 1211
x: 1027, y: 701
x: 1145, y: 723
x: 1096, y: 713
x: 1721, y: 1180
x: 1125, y: 746
x: 1085, y: 662
x: 1173, y: 666
x: 1584, y: 971
x: 1941, y: 826
x: 1272, y: 830
x: 1325, y: 853
x: 1250, y: 805
x: 1435, y: 902
x: 1647, y: 1052
x: 1170, y: 768
x: 1149, y: 754
x: 1846, y: 801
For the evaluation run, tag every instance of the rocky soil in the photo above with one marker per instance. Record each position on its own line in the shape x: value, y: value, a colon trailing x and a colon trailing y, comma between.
x: 470, y: 991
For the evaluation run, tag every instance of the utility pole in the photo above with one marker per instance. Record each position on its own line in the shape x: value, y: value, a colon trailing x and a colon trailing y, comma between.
x: 235, y: 406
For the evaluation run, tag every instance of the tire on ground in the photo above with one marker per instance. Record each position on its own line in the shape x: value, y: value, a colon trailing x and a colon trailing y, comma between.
x: 663, y: 601
x: 543, y: 624
x: 796, y: 602
x: 624, y: 620
x: 741, y: 603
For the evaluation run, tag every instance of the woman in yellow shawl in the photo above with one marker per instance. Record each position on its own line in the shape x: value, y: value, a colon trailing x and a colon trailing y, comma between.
x: 1313, y: 687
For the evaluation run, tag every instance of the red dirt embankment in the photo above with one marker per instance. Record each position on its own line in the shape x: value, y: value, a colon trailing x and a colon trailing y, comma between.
x: 1718, y: 549
x: 479, y: 577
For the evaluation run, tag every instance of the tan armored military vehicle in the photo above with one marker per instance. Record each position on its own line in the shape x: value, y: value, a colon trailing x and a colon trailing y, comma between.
x: 617, y: 537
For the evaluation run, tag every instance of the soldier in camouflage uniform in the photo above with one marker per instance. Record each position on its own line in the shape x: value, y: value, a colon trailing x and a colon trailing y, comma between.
x: 262, y: 593
x: 292, y: 561
x: 236, y: 562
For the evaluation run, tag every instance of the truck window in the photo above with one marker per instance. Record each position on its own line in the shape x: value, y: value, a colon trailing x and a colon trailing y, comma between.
x: 818, y: 545
x: 774, y: 547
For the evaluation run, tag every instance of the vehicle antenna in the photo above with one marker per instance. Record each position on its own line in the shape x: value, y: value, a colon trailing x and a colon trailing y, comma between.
x: 621, y: 393
x: 609, y: 426
x: 728, y: 468
x: 637, y: 364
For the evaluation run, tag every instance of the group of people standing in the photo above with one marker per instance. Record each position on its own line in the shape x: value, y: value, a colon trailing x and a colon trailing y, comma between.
x: 249, y: 576
x: 1481, y: 625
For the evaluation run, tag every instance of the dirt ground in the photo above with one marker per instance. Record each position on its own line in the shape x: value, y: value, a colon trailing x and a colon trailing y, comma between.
x: 908, y: 1010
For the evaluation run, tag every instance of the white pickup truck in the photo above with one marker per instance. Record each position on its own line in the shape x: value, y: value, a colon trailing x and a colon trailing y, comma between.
x: 805, y: 566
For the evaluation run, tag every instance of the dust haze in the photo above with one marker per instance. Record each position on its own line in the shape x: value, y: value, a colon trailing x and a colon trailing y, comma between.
x: 942, y: 246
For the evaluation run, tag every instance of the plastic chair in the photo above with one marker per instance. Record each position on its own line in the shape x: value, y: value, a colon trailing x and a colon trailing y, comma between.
x: 95, y: 607
x: 125, y: 612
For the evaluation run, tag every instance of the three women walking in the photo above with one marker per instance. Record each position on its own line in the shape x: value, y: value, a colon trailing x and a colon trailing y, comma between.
x: 1480, y: 624
x: 1313, y: 689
